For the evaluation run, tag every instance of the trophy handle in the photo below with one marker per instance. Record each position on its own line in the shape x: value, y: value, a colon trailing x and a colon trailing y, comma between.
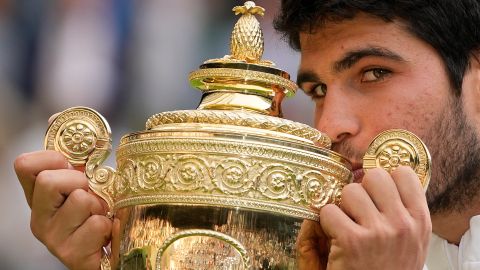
x: 83, y: 136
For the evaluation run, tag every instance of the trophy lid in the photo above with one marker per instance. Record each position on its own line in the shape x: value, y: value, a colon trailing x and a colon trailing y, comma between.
x: 242, y: 90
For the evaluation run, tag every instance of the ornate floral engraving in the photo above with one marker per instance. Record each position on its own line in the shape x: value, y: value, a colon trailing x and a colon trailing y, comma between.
x: 275, y: 181
x: 126, y: 175
x: 150, y: 172
x: 393, y: 156
x: 189, y: 173
x: 318, y: 189
x: 78, y: 137
x: 232, y: 176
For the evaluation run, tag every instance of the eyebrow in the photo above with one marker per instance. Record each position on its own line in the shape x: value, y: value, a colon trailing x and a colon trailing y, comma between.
x: 348, y: 60
x: 352, y: 57
x: 307, y: 76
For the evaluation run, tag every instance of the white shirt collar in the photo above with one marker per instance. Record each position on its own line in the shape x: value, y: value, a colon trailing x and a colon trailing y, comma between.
x: 445, y: 256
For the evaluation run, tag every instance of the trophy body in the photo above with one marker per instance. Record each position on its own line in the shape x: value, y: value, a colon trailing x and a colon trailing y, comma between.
x: 215, y: 197
x: 226, y: 186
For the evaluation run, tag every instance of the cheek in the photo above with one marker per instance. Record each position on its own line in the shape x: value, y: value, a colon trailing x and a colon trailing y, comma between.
x: 422, y: 112
x: 420, y: 99
x: 411, y: 112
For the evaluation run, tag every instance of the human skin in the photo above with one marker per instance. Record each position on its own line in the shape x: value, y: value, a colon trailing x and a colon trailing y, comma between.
x: 66, y: 217
x: 378, y: 76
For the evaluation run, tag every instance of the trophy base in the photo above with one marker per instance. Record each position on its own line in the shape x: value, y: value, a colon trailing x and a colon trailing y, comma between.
x: 201, y: 237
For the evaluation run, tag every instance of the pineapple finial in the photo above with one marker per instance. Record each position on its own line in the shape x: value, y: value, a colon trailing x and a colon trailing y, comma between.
x: 246, y: 42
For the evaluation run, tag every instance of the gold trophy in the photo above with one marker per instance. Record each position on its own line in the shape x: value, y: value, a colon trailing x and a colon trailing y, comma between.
x: 225, y: 186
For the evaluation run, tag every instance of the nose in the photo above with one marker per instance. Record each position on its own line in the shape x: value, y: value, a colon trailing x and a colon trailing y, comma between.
x: 336, y: 115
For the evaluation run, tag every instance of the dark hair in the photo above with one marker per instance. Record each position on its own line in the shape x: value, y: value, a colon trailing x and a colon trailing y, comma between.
x: 451, y: 27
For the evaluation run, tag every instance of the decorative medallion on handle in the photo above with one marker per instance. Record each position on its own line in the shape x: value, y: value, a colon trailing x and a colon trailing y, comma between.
x: 396, y: 147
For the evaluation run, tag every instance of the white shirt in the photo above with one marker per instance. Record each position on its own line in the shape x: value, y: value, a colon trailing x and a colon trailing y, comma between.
x: 466, y: 256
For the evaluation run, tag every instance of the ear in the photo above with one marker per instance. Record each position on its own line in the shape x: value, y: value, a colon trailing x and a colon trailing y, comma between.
x: 471, y: 91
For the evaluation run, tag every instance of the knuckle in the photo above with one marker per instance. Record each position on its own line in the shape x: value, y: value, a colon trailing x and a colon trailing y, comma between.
x: 379, y: 235
x: 100, y: 224
x: 36, y: 228
x: 422, y: 214
x: 21, y: 162
x: 44, y: 181
x: 403, y: 227
x: 80, y: 199
x: 422, y: 217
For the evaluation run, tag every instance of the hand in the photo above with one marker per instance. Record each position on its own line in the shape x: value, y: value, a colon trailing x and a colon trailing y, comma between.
x: 383, y: 223
x: 66, y: 216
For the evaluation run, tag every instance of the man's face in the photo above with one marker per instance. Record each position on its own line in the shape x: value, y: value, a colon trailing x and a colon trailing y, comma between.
x: 366, y: 76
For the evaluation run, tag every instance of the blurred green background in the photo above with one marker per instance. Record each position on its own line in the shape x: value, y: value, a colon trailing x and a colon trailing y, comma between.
x: 128, y: 59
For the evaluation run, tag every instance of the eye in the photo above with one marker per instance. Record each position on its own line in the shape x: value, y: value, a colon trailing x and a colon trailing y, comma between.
x: 375, y: 75
x: 318, y: 91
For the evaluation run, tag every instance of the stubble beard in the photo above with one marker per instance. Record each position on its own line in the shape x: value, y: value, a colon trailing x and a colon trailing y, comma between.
x: 455, y: 150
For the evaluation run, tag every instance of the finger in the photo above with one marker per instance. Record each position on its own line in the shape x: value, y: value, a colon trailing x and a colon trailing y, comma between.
x: 312, y: 246
x: 335, y: 222
x: 115, y: 241
x: 410, y: 190
x: 52, y: 118
x: 86, y: 243
x: 28, y: 166
x: 382, y: 190
x: 358, y: 205
x: 51, y: 189
x: 78, y: 207
x: 94, y: 233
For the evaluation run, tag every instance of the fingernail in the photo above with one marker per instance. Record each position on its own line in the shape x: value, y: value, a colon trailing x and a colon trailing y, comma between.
x: 70, y: 166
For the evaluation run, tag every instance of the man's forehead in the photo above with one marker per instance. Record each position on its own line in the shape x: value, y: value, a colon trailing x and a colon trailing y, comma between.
x: 362, y: 27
